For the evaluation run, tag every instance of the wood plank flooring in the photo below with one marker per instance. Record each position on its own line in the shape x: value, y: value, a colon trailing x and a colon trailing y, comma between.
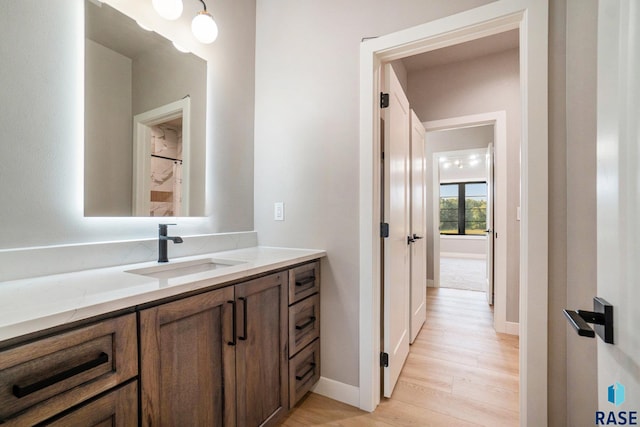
x: 460, y: 372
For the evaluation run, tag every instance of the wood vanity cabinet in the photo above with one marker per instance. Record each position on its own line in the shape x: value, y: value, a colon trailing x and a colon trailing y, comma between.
x: 94, y: 365
x: 218, y: 358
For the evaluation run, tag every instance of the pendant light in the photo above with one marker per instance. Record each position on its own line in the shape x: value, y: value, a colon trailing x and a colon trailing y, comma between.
x: 203, y: 27
x: 168, y: 9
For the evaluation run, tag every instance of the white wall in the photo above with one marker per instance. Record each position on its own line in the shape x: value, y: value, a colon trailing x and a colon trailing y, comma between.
x: 41, y: 117
x: 463, y: 246
x: 306, y: 145
x: 481, y: 85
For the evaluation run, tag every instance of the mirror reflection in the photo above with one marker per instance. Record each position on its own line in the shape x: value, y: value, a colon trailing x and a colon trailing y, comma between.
x: 145, y: 107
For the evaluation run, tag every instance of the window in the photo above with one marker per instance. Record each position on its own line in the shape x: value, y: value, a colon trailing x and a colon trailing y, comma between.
x: 463, y: 208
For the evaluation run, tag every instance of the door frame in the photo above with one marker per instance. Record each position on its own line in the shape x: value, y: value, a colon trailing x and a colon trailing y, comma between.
x: 531, y: 17
x: 499, y: 121
x: 142, y: 124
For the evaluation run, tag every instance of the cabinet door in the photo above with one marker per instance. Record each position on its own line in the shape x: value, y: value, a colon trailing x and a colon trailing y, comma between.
x: 118, y: 408
x: 261, y: 353
x: 187, y: 374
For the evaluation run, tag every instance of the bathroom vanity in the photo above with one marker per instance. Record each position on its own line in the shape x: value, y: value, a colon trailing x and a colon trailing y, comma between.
x: 229, y: 339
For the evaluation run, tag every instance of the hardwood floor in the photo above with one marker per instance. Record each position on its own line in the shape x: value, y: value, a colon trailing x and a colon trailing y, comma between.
x: 460, y: 372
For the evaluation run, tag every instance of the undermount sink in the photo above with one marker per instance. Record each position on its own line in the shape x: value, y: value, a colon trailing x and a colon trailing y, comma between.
x: 178, y: 269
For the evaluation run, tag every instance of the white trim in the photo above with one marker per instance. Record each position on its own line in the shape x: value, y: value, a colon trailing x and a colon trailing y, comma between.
x: 336, y: 390
x: 499, y: 121
x: 531, y: 16
x: 462, y: 255
x: 512, y: 328
x: 462, y: 236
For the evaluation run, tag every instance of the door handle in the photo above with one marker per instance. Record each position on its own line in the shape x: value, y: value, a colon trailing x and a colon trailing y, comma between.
x: 244, y: 319
x: 410, y: 240
x: 234, y: 326
x: 416, y: 237
x: 601, y: 317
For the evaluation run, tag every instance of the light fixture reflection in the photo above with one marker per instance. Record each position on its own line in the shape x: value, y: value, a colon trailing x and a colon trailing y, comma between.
x: 168, y: 9
x: 180, y: 48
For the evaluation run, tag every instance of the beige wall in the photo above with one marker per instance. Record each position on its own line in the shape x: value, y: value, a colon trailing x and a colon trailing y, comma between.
x: 481, y: 85
x: 108, y: 131
x: 306, y: 144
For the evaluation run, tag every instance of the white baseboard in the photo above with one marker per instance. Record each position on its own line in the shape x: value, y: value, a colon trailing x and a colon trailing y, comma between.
x: 430, y: 283
x: 336, y: 390
x: 462, y: 255
x: 512, y: 328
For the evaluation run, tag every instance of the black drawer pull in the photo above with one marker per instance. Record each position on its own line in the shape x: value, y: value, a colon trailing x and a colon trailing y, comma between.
x: 307, y: 323
x: 306, y: 281
x: 312, y: 367
x: 20, y: 392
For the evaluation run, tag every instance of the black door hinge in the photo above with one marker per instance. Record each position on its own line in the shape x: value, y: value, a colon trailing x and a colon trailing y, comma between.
x: 384, y: 230
x: 384, y: 100
x: 384, y: 360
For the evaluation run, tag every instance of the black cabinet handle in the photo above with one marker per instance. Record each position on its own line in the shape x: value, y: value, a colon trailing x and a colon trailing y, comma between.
x: 19, y: 391
x: 233, y: 308
x: 306, y: 281
x: 312, y: 367
x: 244, y: 318
x: 410, y: 240
x: 307, y: 323
x: 416, y: 237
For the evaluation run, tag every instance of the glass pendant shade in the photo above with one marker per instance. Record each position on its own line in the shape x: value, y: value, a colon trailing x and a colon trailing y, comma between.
x: 168, y: 9
x: 204, y: 28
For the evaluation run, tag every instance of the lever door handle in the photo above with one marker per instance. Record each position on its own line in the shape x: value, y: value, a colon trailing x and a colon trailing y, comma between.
x: 601, y: 317
x: 416, y: 237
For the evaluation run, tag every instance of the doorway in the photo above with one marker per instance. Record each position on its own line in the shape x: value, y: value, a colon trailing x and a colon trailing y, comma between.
x: 459, y: 131
x: 531, y: 18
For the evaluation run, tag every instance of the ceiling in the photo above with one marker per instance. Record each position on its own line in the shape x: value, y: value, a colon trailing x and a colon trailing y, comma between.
x: 464, y: 51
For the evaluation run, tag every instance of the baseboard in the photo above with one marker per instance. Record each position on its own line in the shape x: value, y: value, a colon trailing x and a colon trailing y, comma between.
x: 336, y: 390
x: 512, y: 328
x: 462, y: 255
x: 430, y: 283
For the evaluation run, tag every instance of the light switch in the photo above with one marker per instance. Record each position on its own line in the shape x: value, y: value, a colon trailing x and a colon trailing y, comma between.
x: 278, y: 211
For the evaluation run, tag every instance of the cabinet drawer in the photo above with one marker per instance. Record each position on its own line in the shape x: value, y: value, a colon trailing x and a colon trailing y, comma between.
x: 304, y: 281
x: 304, y: 372
x: 304, y: 323
x: 44, y: 377
x: 118, y: 408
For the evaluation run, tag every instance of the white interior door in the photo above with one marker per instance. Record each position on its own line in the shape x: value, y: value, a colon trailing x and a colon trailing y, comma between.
x: 490, y: 231
x: 418, y: 227
x: 618, y: 193
x: 396, y: 246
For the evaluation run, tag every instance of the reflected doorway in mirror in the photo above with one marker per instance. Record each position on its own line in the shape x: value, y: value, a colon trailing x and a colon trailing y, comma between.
x: 160, y: 160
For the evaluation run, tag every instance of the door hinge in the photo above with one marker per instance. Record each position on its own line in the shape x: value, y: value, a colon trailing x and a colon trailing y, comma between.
x: 384, y: 100
x: 384, y: 230
x: 384, y: 360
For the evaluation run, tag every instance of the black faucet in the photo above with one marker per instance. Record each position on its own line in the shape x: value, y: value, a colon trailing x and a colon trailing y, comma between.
x: 162, y: 242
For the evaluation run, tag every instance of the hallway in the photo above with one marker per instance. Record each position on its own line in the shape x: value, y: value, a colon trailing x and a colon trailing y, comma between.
x: 460, y: 372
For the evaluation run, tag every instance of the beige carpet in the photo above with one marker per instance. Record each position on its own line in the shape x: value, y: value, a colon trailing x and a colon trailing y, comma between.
x: 463, y: 273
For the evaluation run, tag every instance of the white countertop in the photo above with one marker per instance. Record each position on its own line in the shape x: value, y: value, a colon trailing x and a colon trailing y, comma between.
x: 31, y: 305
